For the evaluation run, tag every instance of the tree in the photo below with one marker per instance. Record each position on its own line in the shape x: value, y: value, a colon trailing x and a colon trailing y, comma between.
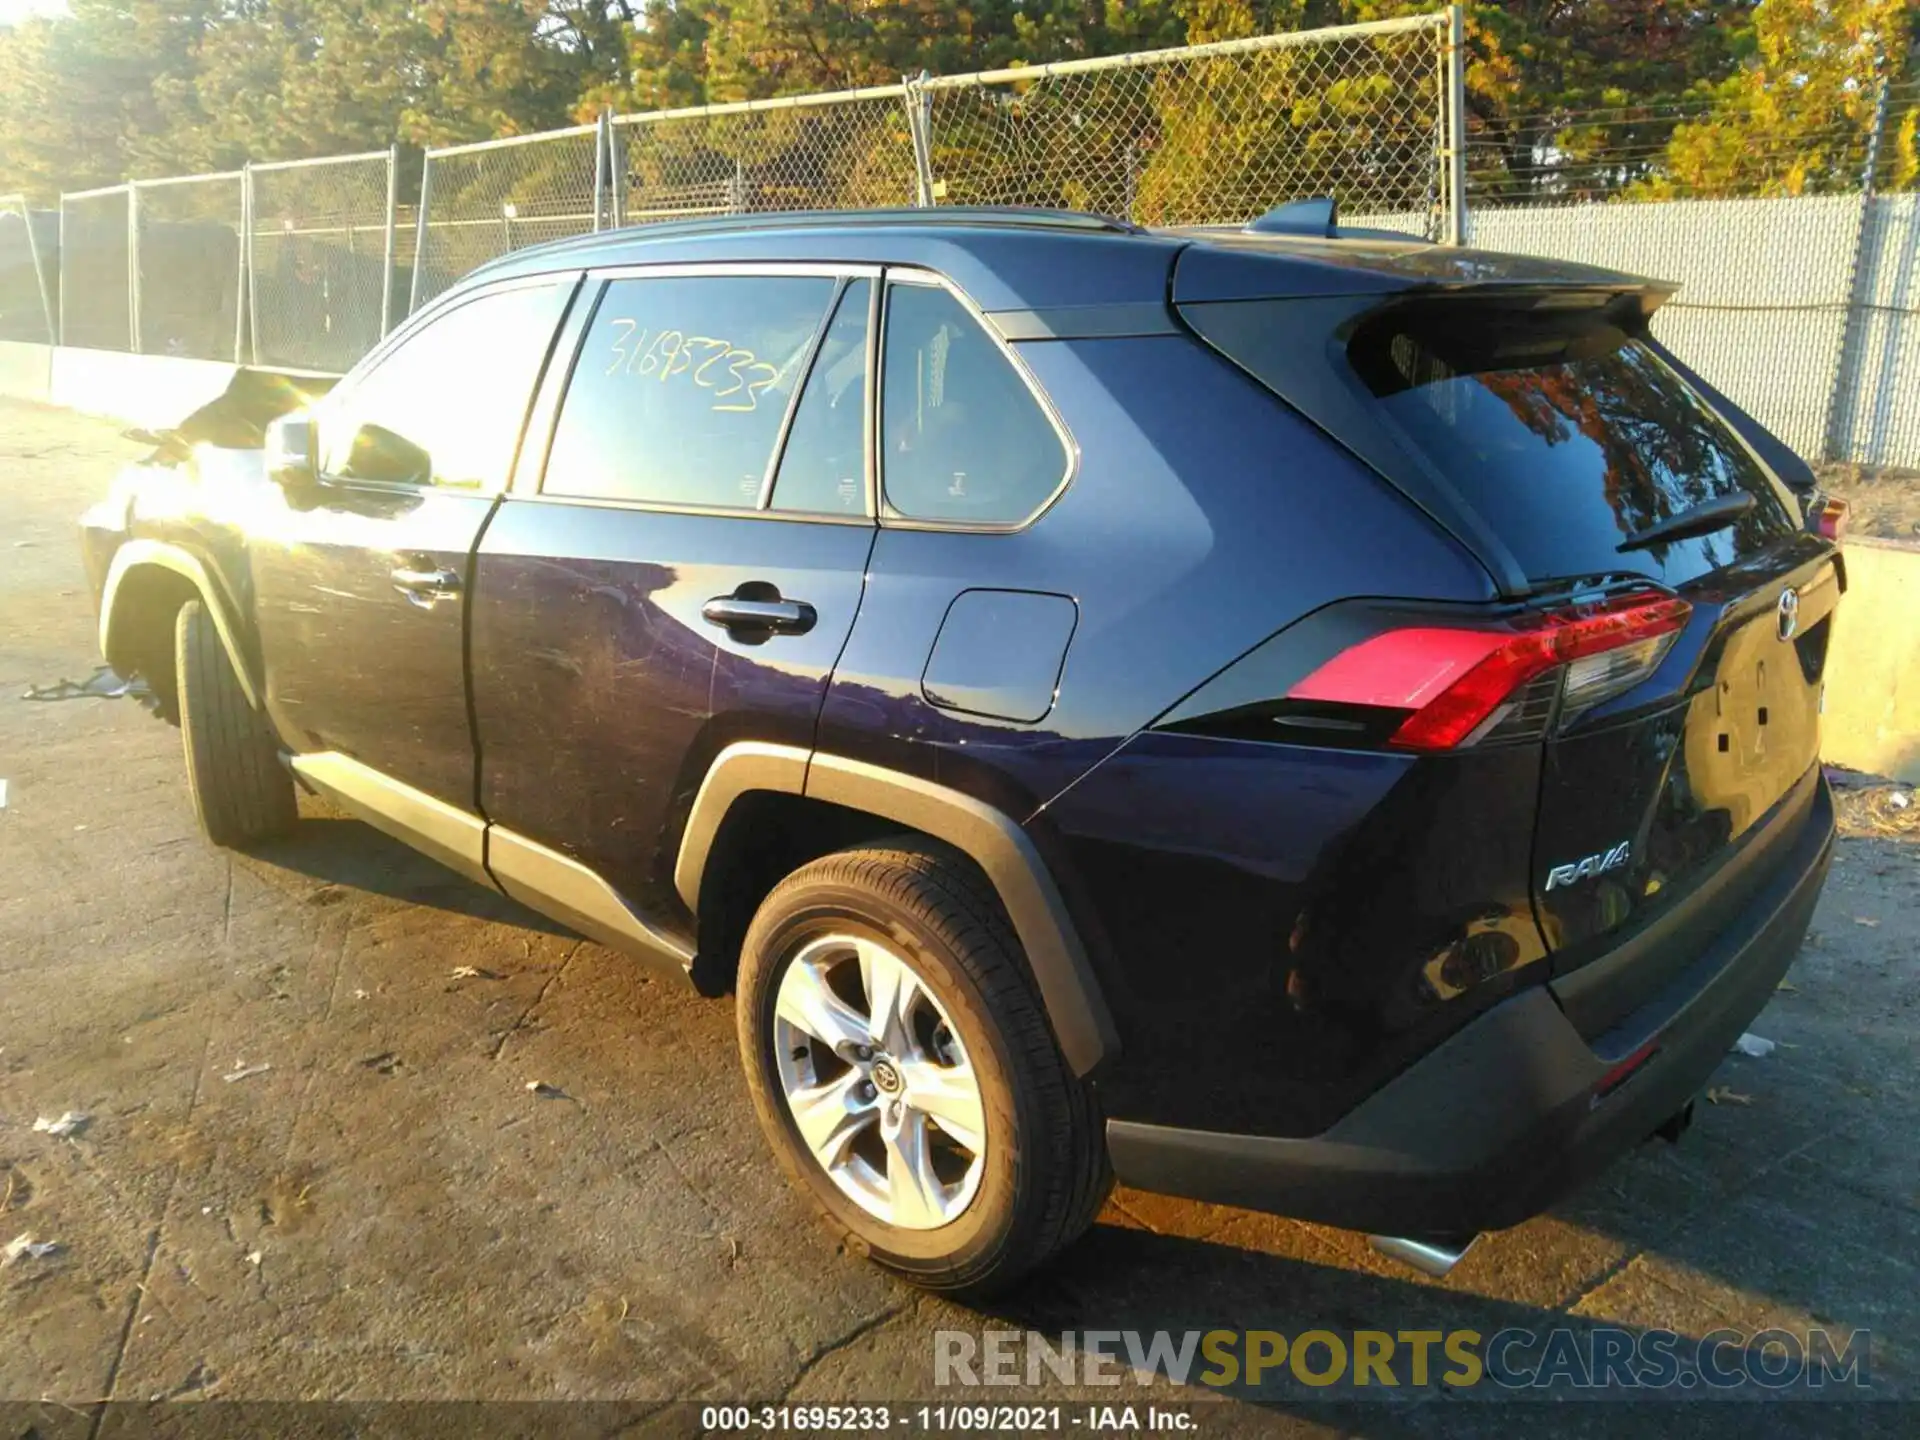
x: 1795, y: 118
x: 83, y: 96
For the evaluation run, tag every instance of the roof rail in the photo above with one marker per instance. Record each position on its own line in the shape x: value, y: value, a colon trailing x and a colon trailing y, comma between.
x: 1010, y: 215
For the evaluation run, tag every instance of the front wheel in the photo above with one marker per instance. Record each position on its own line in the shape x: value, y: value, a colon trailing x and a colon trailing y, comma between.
x: 241, y: 792
x: 906, y: 1076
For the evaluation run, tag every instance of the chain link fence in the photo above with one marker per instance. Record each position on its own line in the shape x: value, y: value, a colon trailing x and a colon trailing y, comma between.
x: 848, y: 151
x: 320, y: 259
x: 29, y: 258
x: 1208, y: 134
x: 481, y: 201
x: 96, y: 285
x: 189, y: 232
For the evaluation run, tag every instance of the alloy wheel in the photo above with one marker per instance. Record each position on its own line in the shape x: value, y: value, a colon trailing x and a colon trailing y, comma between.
x: 879, y: 1083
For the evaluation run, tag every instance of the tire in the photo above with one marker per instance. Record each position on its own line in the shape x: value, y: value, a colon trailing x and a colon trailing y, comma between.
x: 241, y: 793
x: 998, y: 1204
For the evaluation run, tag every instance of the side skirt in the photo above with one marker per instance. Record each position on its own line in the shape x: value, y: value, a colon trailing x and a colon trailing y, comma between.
x: 547, y: 881
x: 413, y: 817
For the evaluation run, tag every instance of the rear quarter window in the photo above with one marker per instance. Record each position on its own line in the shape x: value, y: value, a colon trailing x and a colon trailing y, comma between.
x: 964, y: 438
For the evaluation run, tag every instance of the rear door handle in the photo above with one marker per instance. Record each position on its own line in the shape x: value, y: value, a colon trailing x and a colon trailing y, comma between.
x: 748, y: 619
x: 423, y: 587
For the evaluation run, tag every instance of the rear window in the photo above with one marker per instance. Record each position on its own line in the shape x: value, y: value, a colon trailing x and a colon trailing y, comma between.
x: 1566, y: 434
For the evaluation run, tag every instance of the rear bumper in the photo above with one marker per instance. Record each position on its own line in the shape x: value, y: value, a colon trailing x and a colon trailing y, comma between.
x: 1516, y: 1107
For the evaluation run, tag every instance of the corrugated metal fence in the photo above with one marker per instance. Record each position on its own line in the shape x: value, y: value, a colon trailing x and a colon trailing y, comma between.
x: 1805, y: 310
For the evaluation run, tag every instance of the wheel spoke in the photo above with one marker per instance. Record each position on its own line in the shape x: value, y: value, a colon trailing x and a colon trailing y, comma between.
x: 807, y: 1004
x: 891, y: 990
x: 830, y: 1115
x: 912, y: 1186
x: 951, y: 1095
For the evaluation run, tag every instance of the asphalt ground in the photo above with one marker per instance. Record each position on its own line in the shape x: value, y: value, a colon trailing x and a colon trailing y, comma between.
x: 314, y: 1172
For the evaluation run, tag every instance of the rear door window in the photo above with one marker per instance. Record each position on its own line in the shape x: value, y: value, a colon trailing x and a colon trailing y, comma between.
x: 823, y: 467
x: 1567, y: 434
x: 964, y: 438
x: 681, y: 388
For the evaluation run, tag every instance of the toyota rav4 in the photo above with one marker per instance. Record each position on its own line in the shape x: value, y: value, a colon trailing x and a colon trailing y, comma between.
x: 1313, y: 722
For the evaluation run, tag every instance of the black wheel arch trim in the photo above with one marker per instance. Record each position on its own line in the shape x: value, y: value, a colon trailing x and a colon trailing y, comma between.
x: 143, y: 554
x: 1069, y: 990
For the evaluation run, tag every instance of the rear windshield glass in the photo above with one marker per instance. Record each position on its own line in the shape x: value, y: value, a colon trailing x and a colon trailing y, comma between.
x: 1568, y: 435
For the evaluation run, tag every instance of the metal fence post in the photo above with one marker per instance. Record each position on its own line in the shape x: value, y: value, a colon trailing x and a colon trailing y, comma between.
x: 602, y: 152
x: 133, y: 266
x: 39, y: 273
x: 240, y: 318
x: 420, y: 232
x: 387, y: 259
x: 253, y: 269
x: 919, y: 103
x: 61, y: 338
x: 616, y: 170
x: 1457, y: 224
x: 1846, y: 379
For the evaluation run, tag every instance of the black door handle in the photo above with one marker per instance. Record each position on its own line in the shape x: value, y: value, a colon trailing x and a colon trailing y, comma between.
x: 753, y: 619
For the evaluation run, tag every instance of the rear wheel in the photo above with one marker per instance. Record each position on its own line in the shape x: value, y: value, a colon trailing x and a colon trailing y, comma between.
x: 241, y: 793
x: 905, y: 1074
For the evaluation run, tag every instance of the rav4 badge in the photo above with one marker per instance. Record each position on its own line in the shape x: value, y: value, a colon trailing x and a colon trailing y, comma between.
x: 1599, y: 864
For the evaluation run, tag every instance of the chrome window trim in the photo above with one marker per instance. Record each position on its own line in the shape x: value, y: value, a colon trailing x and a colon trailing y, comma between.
x: 718, y: 512
x: 676, y: 269
x: 445, y: 304
x: 914, y: 275
x: 1126, y: 320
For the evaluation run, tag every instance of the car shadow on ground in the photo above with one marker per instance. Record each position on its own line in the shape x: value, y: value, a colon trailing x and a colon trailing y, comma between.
x: 1116, y: 1280
x: 339, y: 850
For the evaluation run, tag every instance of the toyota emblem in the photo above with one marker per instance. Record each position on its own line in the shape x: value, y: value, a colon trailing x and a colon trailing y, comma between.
x: 1787, y: 613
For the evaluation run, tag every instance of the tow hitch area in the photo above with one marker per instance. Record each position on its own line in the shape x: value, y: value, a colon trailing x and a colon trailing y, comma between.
x: 1429, y: 1257
x: 1675, y: 1125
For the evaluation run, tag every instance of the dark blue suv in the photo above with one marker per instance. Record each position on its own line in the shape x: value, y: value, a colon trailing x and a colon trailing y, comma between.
x: 1319, y: 723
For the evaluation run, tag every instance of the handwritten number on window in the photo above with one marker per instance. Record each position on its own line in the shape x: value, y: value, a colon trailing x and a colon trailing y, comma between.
x: 673, y: 352
x: 743, y: 367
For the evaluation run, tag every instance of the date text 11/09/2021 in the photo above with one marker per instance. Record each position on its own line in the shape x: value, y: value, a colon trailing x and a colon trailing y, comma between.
x: 945, y: 1419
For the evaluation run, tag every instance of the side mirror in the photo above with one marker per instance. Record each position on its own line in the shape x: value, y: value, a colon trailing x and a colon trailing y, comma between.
x: 378, y: 453
x: 289, y: 450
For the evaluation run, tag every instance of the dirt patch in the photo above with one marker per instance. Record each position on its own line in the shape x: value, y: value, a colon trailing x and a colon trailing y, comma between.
x: 1872, y: 807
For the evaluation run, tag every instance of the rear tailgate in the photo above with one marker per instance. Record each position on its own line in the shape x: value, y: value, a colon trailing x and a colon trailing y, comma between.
x: 1541, y: 426
x: 1667, y: 817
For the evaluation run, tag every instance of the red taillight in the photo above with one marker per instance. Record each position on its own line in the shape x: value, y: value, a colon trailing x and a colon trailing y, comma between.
x: 1830, y: 518
x: 1453, y: 680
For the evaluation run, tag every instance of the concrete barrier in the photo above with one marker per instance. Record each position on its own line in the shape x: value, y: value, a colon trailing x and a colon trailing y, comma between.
x: 26, y: 371
x: 149, y: 390
x: 1873, y: 669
